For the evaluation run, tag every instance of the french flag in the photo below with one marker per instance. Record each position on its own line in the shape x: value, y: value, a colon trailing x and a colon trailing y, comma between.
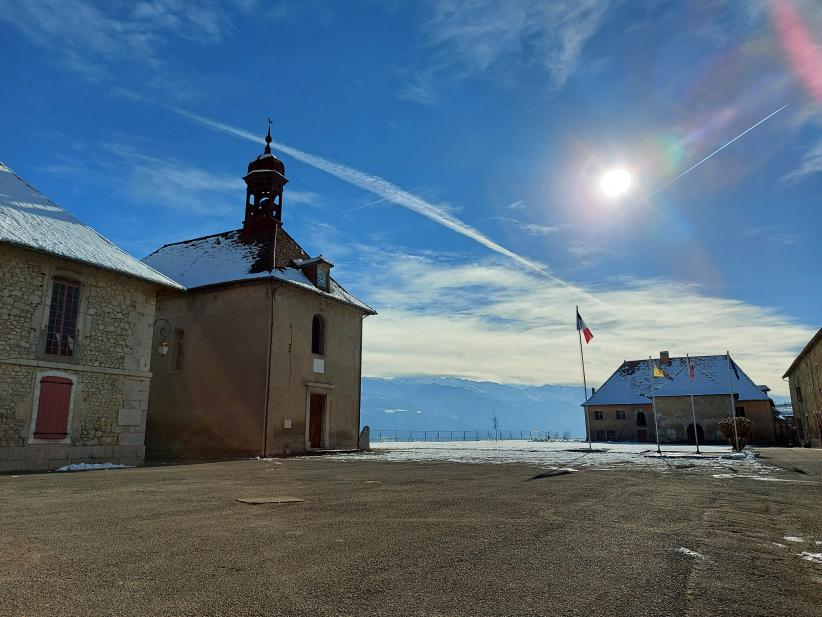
x: 581, y: 327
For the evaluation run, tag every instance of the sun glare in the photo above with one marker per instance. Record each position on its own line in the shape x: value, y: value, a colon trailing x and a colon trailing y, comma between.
x: 615, y: 183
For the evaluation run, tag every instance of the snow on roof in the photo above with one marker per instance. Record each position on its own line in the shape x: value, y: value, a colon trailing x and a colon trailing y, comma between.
x: 226, y: 258
x: 30, y: 219
x: 631, y: 383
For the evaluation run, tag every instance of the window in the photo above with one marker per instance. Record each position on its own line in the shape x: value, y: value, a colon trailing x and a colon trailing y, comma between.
x: 179, y: 349
x: 600, y: 435
x: 620, y: 414
x: 740, y: 412
x: 640, y: 419
x: 611, y: 436
x: 798, y: 394
x: 53, y: 408
x: 62, y: 325
x: 599, y: 415
x: 318, y: 336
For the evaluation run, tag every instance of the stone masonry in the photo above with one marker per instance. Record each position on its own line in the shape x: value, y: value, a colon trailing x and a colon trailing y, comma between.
x: 109, y: 368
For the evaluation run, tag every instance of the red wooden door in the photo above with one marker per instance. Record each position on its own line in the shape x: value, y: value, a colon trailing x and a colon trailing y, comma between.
x: 642, y: 436
x: 53, y: 408
x: 315, y: 420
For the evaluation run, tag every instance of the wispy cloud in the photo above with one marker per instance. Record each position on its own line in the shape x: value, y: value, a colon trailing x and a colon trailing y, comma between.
x: 531, y: 229
x: 516, y: 205
x: 471, y: 37
x: 96, y: 40
x: 497, y: 322
x: 810, y: 165
x: 773, y: 234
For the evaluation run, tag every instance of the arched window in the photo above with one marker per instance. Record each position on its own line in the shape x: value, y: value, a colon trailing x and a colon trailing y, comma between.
x: 318, y: 335
x: 179, y: 349
x: 640, y: 419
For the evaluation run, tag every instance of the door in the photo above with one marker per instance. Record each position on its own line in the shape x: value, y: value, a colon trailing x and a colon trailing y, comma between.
x: 699, y: 433
x: 642, y: 436
x: 315, y: 420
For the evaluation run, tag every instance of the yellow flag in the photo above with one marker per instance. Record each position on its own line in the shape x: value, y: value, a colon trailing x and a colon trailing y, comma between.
x: 658, y: 372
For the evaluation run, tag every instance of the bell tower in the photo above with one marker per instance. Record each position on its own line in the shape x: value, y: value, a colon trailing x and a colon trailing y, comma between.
x: 264, y: 181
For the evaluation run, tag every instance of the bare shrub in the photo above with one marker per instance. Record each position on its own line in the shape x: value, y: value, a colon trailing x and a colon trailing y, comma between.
x: 744, y: 427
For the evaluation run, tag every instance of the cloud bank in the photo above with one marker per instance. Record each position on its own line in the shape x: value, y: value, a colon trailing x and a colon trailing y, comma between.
x: 494, y: 321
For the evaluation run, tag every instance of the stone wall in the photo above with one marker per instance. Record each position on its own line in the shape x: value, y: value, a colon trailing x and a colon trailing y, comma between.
x: 807, y: 403
x: 110, y: 366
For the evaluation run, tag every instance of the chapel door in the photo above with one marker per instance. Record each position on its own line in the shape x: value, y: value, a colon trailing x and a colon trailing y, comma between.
x: 642, y: 436
x: 315, y: 420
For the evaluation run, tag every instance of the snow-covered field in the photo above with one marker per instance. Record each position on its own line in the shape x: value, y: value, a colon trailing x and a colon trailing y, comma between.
x: 571, y: 455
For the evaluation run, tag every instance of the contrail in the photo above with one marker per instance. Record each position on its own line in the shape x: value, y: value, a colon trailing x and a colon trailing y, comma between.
x: 379, y: 186
x: 389, y: 192
x: 691, y: 168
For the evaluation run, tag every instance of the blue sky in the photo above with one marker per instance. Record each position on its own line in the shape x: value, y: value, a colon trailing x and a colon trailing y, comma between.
x: 464, y: 141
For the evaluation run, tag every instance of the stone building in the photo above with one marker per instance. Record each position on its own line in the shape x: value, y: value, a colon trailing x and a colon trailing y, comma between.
x: 76, y: 315
x: 805, y: 381
x: 266, y: 345
x: 622, y: 409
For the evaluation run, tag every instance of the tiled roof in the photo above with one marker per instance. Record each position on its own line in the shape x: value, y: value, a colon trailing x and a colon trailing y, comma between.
x: 229, y: 257
x: 31, y: 220
x: 631, y: 384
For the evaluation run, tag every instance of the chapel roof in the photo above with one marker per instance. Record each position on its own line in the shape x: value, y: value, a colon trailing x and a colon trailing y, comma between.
x: 231, y: 257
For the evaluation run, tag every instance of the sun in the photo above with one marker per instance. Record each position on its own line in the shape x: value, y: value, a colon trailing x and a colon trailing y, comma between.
x: 615, y: 182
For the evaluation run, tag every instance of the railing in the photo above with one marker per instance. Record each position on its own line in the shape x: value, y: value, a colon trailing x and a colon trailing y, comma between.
x: 383, y: 435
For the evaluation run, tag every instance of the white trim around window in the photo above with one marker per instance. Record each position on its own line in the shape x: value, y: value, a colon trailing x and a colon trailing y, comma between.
x: 35, y: 406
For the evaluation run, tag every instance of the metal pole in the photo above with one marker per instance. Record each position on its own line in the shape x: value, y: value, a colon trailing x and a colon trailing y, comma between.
x: 733, y: 404
x: 653, y: 404
x: 693, y: 413
x: 584, y: 385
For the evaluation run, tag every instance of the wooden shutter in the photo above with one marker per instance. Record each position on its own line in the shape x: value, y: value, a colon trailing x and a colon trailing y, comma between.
x: 53, y: 408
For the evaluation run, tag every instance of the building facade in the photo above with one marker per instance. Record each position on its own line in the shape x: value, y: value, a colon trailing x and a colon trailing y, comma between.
x: 632, y: 404
x: 265, y: 346
x: 805, y: 379
x: 76, y: 315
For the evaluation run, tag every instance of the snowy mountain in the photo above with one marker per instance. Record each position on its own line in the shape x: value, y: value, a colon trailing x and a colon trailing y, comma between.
x: 450, y: 403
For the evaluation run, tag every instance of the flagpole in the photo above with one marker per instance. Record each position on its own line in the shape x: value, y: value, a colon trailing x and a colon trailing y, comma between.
x: 733, y: 405
x: 653, y: 404
x: 584, y: 383
x: 693, y: 413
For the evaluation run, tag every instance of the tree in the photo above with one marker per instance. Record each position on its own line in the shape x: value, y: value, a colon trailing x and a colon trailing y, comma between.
x: 744, y: 428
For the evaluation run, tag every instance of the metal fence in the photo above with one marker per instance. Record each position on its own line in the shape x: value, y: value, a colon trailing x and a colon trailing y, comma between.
x: 383, y: 435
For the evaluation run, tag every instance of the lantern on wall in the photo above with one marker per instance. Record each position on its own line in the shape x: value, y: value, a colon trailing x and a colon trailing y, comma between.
x: 164, y: 330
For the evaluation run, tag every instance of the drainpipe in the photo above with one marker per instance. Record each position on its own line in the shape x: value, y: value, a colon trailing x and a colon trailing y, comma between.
x: 359, y: 385
x: 274, y: 289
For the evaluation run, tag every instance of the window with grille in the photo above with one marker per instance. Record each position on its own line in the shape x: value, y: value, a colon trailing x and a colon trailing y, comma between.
x: 62, y: 325
x: 620, y: 414
x: 599, y: 415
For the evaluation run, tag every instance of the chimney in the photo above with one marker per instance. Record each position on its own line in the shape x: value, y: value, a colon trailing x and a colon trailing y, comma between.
x: 593, y: 390
x: 664, y: 358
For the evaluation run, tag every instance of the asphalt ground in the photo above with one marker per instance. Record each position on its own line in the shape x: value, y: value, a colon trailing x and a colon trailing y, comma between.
x: 378, y: 538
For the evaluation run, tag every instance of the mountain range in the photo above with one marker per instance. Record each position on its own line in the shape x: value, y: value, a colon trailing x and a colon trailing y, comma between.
x: 451, y: 403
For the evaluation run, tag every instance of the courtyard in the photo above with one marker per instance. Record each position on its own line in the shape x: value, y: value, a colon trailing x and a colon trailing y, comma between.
x: 398, y: 533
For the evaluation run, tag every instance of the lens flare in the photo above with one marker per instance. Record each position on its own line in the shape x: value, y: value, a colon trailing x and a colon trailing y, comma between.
x: 615, y: 183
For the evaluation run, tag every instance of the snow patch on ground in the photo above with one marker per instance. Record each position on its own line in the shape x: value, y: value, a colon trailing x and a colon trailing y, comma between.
x: 690, y: 553
x: 557, y: 454
x: 760, y: 478
x: 814, y: 557
x: 793, y: 539
x: 90, y: 466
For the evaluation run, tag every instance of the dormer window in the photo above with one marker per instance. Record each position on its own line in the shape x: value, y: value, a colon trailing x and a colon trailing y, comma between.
x: 317, y: 270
